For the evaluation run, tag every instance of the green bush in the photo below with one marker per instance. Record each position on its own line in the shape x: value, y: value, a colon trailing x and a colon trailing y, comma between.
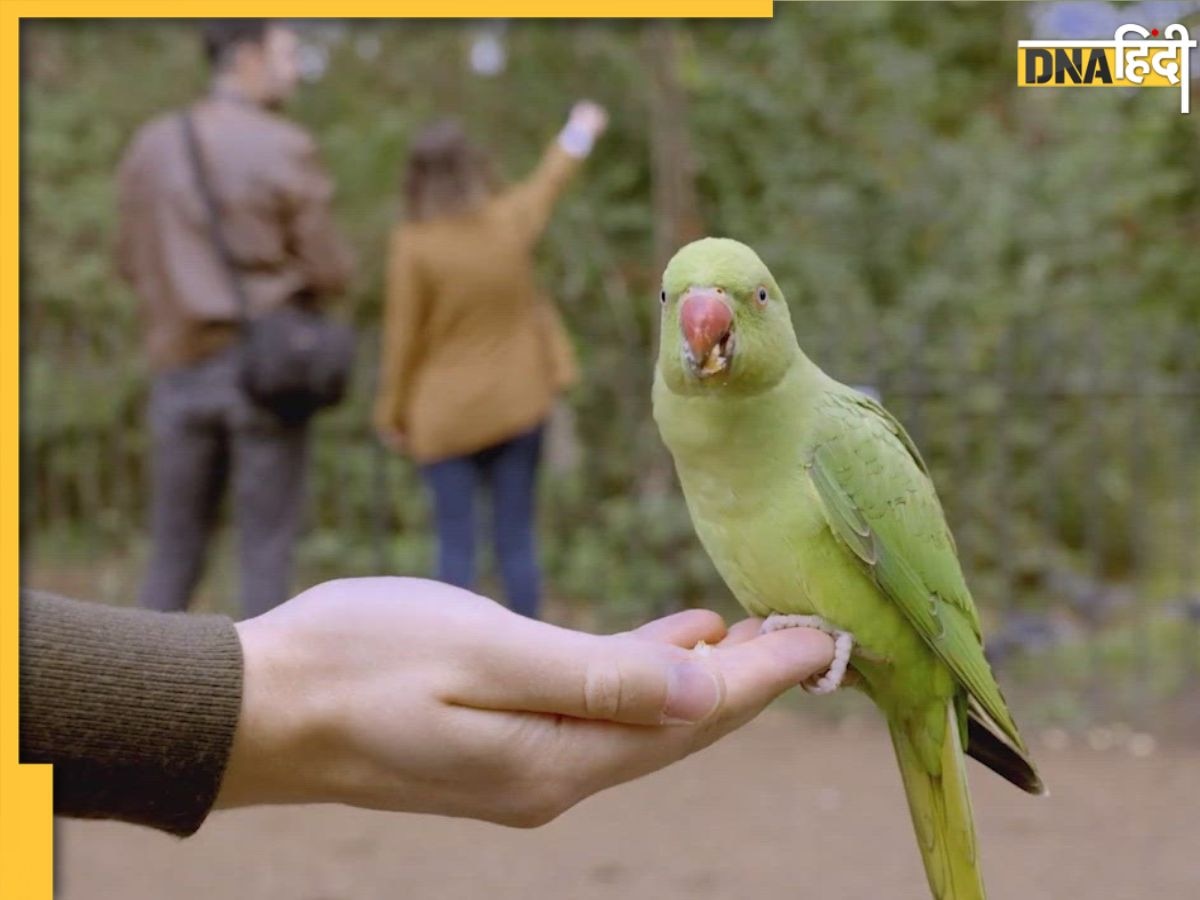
x: 1015, y: 270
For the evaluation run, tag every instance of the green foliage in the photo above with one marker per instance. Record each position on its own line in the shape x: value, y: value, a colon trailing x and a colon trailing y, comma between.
x: 1016, y: 270
x: 1110, y: 670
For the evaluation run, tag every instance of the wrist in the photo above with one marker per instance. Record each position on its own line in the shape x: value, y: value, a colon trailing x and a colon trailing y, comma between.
x: 272, y: 759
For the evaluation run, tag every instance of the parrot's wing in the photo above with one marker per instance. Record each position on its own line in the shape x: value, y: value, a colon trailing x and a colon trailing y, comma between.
x: 879, y: 500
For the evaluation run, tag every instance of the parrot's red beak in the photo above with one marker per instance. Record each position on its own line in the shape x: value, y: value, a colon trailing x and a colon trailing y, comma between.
x: 706, y: 322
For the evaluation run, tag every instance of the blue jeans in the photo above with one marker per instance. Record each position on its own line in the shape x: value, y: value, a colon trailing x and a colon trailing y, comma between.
x: 509, y: 471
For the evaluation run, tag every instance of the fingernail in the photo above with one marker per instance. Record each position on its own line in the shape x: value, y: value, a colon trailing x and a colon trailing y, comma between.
x: 693, y: 693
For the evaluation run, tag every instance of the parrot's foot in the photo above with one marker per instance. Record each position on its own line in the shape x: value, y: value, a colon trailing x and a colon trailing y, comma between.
x: 843, y: 644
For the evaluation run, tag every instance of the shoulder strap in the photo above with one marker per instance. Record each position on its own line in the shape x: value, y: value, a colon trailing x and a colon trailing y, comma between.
x: 196, y: 159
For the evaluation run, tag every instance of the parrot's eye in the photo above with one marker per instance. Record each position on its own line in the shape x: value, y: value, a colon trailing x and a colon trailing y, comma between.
x: 762, y: 296
x: 662, y: 298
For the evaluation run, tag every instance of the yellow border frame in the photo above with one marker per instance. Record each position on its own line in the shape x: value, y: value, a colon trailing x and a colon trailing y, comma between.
x: 26, y: 824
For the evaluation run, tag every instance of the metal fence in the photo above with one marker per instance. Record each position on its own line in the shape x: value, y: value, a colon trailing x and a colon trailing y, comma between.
x: 1069, y: 472
x: 1069, y: 467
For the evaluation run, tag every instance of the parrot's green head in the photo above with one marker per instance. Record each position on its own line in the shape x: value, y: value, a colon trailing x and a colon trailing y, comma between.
x: 725, y: 323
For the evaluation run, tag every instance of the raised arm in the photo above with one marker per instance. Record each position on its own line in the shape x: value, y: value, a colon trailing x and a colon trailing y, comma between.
x: 533, y: 199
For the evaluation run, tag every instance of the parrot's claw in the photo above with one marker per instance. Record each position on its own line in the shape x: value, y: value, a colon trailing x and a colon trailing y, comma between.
x: 843, y: 645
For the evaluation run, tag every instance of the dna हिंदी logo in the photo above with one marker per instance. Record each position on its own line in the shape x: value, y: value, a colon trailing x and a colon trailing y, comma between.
x: 1146, y: 60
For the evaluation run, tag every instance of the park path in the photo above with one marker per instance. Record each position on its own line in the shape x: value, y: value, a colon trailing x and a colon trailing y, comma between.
x: 789, y: 808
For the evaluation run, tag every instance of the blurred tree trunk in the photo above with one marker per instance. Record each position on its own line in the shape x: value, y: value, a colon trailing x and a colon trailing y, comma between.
x: 676, y: 207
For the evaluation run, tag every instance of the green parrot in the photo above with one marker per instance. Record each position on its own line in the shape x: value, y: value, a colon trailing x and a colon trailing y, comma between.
x: 818, y: 511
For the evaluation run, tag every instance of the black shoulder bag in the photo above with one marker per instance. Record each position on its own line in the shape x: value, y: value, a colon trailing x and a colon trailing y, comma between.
x: 294, y: 360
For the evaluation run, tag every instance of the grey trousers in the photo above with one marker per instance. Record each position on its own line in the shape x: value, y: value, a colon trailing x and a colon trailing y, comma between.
x: 206, y: 433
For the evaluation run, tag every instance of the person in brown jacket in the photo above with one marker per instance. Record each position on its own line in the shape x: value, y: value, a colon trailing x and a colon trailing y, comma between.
x: 273, y: 200
x: 473, y: 353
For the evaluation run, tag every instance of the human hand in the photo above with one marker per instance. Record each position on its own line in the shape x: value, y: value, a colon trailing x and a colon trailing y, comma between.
x: 589, y: 116
x: 406, y: 694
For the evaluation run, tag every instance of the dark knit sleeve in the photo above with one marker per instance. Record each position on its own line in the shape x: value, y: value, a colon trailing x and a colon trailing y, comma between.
x: 136, y: 710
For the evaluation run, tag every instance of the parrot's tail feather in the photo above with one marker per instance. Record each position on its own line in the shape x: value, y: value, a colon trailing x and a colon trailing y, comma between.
x: 1001, y: 757
x: 941, y: 813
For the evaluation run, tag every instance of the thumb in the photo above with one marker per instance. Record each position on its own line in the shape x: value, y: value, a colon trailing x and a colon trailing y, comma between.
x: 623, y: 678
x: 758, y: 670
x: 617, y: 678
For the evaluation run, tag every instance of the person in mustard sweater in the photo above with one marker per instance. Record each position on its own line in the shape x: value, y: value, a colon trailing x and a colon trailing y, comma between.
x: 474, y: 354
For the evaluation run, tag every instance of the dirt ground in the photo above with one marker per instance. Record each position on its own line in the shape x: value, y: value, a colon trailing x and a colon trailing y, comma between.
x: 787, y: 808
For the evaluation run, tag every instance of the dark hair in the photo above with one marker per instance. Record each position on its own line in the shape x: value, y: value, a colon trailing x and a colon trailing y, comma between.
x: 446, y: 173
x: 221, y: 36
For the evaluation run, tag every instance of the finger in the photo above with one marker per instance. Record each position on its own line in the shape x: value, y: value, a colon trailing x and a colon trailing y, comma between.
x: 684, y: 629
x: 753, y: 673
x: 743, y: 631
x: 619, y: 678
x: 759, y: 670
